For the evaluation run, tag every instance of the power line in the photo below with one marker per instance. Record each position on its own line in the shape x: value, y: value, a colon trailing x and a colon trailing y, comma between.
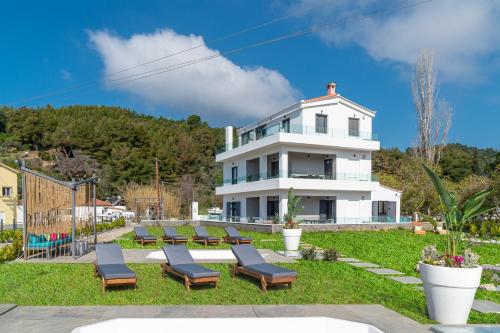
x: 226, y: 37
x: 165, y: 69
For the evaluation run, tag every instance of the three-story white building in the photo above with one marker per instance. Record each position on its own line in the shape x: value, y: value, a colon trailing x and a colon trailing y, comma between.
x: 322, y: 148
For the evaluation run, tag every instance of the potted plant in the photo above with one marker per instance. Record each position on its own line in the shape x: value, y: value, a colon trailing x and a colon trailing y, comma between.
x: 291, y: 228
x: 451, y: 278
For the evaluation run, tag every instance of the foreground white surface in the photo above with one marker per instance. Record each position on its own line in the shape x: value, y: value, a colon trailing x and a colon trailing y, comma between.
x: 200, y: 255
x: 223, y: 325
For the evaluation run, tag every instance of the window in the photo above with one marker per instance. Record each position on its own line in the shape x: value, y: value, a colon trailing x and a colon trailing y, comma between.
x: 353, y: 127
x: 321, y: 123
x: 383, y: 208
x: 234, y: 175
x: 275, y: 169
x: 285, y: 124
x: 245, y: 138
x: 260, y: 132
x: 7, y: 191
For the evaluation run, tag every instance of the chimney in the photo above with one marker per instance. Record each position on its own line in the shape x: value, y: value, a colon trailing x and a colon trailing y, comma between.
x: 229, y: 138
x: 330, y: 89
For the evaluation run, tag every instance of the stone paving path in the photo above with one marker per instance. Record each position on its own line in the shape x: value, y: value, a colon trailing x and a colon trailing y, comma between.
x: 56, y: 319
x: 486, y: 306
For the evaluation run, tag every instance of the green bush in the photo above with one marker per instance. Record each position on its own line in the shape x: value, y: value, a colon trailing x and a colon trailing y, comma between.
x: 13, y: 251
x: 331, y: 255
x: 8, y: 236
x: 309, y: 254
x: 484, y: 228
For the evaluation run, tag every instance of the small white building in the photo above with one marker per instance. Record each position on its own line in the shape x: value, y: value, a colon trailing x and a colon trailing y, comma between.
x: 322, y: 148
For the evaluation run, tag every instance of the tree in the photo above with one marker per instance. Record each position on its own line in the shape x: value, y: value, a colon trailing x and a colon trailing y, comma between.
x: 475, y: 163
x: 433, y: 123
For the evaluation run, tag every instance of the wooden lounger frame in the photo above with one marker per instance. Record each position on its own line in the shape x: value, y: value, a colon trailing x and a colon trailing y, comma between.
x: 174, y: 241
x: 188, y: 282
x: 114, y: 282
x: 145, y: 241
x: 265, y: 281
x: 206, y: 241
x: 233, y: 240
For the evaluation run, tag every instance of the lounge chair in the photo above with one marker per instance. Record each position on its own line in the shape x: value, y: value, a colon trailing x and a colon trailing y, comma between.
x: 202, y: 237
x: 142, y: 236
x: 418, y: 228
x: 110, y: 266
x: 251, y: 263
x: 171, y: 236
x: 181, y: 263
x: 234, y: 237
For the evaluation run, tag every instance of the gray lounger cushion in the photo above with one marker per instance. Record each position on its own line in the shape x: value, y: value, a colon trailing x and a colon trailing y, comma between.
x: 172, y: 233
x: 108, y: 254
x: 115, y: 271
x: 247, y: 255
x: 141, y: 232
x: 203, y: 233
x: 110, y: 263
x: 233, y: 233
x: 270, y: 270
x: 178, y: 255
x: 194, y: 270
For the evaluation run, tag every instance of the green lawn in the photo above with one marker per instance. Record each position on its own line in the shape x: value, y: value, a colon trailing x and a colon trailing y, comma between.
x: 319, y: 282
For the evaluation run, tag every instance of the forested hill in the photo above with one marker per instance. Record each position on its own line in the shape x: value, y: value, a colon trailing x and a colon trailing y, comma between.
x: 121, y: 145
x: 118, y: 144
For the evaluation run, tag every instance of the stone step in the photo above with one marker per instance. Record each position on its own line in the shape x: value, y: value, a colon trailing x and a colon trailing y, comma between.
x: 406, y: 279
x: 485, y: 306
x: 384, y: 271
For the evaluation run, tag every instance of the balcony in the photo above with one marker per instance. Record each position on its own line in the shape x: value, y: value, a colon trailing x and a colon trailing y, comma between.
x: 301, y: 130
x: 298, y: 174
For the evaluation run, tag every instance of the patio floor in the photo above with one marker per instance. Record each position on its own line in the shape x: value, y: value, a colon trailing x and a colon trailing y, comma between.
x: 155, y: 256
x: 57, y: 319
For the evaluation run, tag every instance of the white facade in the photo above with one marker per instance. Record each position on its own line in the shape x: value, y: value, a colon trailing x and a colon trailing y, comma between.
x: 322, y: 148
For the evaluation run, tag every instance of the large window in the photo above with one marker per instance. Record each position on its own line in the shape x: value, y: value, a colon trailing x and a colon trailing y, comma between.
x: 233, y: 210
x: 7, y: 191
x: 260, y: 132
x: 383, y: 208
x: 234, y: 175
x: 245, y: 138
x: 321, y: 123
x: 353, y: 127
x: 285, y: 125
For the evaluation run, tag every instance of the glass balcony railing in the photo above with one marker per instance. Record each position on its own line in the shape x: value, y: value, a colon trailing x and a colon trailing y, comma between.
x: 303, y: 130
x: 316, y: 220
x: 299, y: 175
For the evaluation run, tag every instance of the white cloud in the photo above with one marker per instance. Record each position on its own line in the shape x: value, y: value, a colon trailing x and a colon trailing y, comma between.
x: 213, y: 88
x: 462, y: 34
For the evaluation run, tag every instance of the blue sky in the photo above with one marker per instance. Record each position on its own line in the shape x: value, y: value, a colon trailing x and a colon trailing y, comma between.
x: 49, y: 46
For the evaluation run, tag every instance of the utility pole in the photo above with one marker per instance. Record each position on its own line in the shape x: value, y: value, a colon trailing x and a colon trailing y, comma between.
x: 157, y: 190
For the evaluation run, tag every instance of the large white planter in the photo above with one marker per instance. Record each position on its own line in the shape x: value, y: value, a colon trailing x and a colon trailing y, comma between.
x: 292, y: 239
x: 449, y: 292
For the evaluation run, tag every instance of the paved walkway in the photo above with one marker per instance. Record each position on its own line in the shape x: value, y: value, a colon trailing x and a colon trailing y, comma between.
x: 55, y: 319
x: 113, y: 234
x: 155, y: 256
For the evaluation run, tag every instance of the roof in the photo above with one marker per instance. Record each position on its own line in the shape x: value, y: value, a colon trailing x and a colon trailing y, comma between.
x: 102, y: 203
x: 9, y: 168
x: 320, y: 98
x: 390, y: 188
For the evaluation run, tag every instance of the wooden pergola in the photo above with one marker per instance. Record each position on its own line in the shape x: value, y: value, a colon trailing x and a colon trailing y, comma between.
x: 51, y: 207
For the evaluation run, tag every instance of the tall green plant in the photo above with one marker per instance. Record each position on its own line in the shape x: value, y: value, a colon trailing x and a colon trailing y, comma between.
x: 294, y: 208
x: 455, y: 214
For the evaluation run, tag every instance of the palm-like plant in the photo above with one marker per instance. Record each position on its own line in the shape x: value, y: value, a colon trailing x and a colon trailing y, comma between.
x: 293, y: 210
x: 456, y: 215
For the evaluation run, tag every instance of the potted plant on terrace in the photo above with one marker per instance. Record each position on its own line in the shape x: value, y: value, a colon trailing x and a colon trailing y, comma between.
x: 291, y: 228
x: 451, y: 278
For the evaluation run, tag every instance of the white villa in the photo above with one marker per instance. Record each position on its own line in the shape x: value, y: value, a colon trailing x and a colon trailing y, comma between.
x: 322, y: 148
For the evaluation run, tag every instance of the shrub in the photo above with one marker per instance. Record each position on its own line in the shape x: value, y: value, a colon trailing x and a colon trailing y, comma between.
x: 13, y: 251
x: 309, y: 254
x: 330, y: 255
